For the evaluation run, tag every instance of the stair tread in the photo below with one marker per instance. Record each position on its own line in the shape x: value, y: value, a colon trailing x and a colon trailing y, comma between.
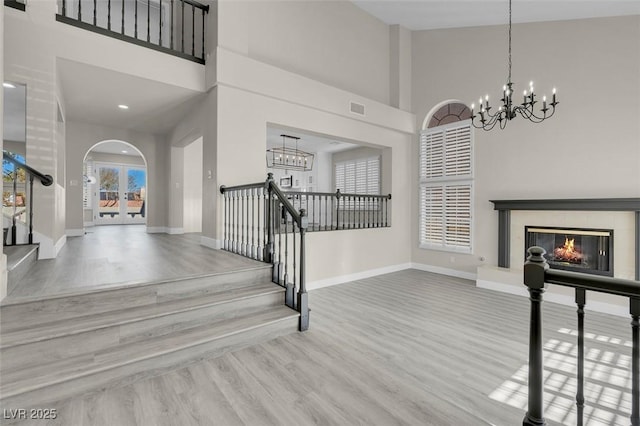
x: 76, y: 325
x: 18, y: 381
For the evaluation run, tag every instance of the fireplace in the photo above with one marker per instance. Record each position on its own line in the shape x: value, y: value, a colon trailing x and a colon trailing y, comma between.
x: 580, y: 250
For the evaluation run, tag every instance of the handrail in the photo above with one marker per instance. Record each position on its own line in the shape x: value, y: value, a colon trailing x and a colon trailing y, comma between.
x: 537, y: 274
x: 338, y: 194
x: 616, y: 286
x: 284, y: 200
x: 46, y: 180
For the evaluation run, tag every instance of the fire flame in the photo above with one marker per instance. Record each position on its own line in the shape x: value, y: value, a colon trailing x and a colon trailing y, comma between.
x: 568, y: 251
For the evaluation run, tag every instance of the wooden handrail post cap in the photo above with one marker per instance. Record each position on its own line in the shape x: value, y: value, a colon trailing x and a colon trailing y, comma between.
x: 535, y: 267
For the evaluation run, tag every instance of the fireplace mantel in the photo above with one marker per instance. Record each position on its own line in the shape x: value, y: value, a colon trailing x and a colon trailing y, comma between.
x: 505, y: 207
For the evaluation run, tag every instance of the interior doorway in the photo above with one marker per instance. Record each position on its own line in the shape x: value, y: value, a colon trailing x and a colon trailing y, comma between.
x: 115, y: 185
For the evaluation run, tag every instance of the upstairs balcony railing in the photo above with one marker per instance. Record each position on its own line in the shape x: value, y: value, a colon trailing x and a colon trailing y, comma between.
x: 17, y: 198
x: 536, y: 276
x: 176, y: 27
x: 16, y: 4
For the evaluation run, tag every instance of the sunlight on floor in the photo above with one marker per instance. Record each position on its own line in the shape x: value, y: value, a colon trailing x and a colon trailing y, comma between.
x: 607, y: 382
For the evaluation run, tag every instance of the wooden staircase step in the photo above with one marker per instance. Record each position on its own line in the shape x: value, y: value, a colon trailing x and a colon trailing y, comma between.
x: 122, y: 317
x: 131, y: 361
x: 27, y: 313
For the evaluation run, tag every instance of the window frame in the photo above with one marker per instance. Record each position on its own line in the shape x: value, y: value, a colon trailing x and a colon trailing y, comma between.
x: 443, y: 182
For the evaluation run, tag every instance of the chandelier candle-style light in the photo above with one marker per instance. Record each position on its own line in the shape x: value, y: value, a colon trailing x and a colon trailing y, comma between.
x: 290, y: 158
x: 509, y: 109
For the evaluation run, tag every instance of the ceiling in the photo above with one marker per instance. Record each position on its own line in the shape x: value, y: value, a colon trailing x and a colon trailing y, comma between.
x: 308, y: 142
x: 116, y: 147
x: 92, y: 94
x: 433, y: 14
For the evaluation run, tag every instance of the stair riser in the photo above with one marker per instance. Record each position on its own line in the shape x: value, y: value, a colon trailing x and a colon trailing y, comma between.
x: 127, y: 374
x: 28, y: 314
x: 15, y: 274
x: 27, y: 355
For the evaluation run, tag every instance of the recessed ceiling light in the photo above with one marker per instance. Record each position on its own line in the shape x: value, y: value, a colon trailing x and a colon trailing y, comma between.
x: 122, y: 106
x: 8, y: 85
x: 124, y: 151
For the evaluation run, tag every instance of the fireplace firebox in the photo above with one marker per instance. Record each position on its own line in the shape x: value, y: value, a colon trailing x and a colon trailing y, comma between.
x: 580, y: 250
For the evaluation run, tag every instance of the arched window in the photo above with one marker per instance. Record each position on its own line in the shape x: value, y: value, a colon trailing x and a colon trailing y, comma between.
x: 446, y: 180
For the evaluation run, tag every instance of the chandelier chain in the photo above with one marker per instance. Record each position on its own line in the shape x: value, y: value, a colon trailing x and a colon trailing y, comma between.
x: 509, y: 80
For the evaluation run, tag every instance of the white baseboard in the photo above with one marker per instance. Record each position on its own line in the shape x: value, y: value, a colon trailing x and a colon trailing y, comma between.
x: 561, y: 299
x: 156, y: 229
x: 444, y: 271
x: 210, y: 242
x: 313, y: 285
x: 74, y: 232
x: 175, y: 231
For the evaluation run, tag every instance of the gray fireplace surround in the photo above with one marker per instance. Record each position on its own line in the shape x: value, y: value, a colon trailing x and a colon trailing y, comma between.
x: 504, y: 208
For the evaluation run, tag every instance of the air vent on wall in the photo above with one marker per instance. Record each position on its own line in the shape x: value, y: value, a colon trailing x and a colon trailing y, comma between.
x: 356, y: 108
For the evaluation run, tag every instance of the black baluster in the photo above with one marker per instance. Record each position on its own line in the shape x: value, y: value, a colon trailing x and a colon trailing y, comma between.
x: 135, y: 13
x: 285, y: 215
x: 64, y: 7
x: 278, y: 217
x: 290, y: 293
x: 95, y: 16
x: 109, y: 15
x: 14, y: 227
x: 171, y: 41
x: 634, y: 308
x: 386, y: 210
x: 580, y: 301
x: 534, y: 270
x: 303, y: 298
x: 148, y: 21
x: 160, y: 26
x: 122, y: 23
x: 182, y: 27
x: 193, y: 30
x: 79, y: 10
x: 30, y: 201
x: 203, y: 34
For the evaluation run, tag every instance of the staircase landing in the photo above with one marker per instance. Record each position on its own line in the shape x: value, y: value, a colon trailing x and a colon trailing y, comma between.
x: 121, y: 256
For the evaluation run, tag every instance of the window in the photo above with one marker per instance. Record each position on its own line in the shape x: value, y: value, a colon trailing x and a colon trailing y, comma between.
x: 361, y: 176
x: 446, y: 187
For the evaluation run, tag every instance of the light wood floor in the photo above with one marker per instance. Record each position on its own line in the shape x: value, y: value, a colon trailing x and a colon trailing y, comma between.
x: 408, y: 348
x: 123, y: 255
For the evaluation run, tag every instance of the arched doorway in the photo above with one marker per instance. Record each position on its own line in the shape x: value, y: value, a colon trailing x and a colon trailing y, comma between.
x: 115, y: 184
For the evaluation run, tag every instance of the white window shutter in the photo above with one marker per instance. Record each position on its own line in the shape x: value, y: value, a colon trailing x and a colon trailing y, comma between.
x: 446, y: 190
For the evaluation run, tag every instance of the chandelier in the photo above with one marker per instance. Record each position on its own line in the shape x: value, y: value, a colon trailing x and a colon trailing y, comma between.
x: 508, y: 110
x: 289, y: 157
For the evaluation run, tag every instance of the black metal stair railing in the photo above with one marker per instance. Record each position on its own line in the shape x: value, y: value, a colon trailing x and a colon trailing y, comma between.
x: 332, y: 211
x: 261, y: 223
x: 536, y: 276
x: 16, y: 4
x: 17, y: 197
x: 177, y: 27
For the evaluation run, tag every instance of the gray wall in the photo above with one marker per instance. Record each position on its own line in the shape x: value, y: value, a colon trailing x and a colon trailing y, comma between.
x: 589, y: 149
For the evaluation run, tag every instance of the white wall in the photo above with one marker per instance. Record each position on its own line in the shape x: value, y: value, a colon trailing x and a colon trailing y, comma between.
x: 333, y: 42
x: 192, y: 216
x: 589, y: 149
x: 252, y: 95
